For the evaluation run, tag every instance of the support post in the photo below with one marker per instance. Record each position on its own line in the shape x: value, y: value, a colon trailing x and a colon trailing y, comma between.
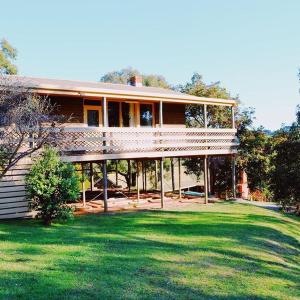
x: 83, y: 186
x: 138, y: 180
x: 205, y: 115
x: 232, y: 117
x: 172, y: 174
x: 104, y: 172
x: 117, y: 174
x: 104, y: 112
x: 145, y: 175
x: 179, y: 177
x: 104, y: 164
x: 161, y: 114
x: 155, y: 170
x: 205, y: 160
x: 233, y: 178
x: 130, y: 176
x: 162, y: 189
x: 205, y: 181
x: 91, y: 176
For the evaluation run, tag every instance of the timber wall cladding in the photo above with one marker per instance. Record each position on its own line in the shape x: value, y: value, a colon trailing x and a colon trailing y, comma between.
x: 69, y: 106
x: 13, y: 203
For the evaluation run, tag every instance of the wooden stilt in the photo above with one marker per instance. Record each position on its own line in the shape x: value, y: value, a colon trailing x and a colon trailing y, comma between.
x: 83, y: 186
x: 117, y: 173
x: 143, y: 178
x: 179, y: 177
x: 130, y: 175
x: 233, y: 177
x: 205, y: 181
x: 208, y: 177
x: 104, y: 172
x: 172, y: 174
x: 155, y: 175
x: 138, y: 180
x: 91, y: 177
x: 145, y: 175
x: 162, y: 189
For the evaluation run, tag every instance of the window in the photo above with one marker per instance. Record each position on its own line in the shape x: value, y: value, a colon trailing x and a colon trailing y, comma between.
x: 146, y: 115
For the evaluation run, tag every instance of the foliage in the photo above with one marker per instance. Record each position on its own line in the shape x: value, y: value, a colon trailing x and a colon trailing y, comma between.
x: 255, y: 149
x: 255, y: 158
x: 7, y: 55
x: 217, y: 117
x: 50, y: 184
x: 224, y: 251
x: 286, y: 174
x: 123, y: 76
x: 23, y: 116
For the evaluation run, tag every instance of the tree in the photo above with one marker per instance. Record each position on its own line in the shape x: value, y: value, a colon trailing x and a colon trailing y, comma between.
x: 217, y: 117
x: 122, y: 76
x: 286, y: 174
x: 7, y: 55
x: 50, y: 185
x: 27, y: 123
x: 255, y: 157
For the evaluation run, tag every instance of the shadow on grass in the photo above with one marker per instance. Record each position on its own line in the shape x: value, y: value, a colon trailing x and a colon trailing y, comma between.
x: 149, y: 255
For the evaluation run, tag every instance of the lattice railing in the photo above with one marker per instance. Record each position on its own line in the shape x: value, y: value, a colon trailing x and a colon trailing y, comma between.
x: 136, y: 142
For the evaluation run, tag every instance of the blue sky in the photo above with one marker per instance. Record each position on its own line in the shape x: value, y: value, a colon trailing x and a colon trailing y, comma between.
x: 252, y: 47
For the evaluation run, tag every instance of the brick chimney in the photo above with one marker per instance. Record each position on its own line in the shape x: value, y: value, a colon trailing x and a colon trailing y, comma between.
x: 136, y: 80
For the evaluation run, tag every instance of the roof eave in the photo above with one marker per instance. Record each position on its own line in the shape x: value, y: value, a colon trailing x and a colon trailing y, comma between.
x: 136, y: 95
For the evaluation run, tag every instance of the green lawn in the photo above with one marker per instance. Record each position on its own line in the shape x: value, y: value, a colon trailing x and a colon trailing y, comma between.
x: 222, y: 251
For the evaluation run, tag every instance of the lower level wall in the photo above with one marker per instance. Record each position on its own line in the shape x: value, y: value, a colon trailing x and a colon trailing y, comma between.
x: 13, y: 203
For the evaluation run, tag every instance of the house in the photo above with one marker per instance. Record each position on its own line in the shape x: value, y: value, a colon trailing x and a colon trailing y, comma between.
x: 122, y: 122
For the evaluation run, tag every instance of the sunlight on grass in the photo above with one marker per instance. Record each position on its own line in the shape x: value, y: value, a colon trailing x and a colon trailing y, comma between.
x: 219, y: 251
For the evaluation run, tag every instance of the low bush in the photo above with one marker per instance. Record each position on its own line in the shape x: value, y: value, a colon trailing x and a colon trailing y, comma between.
x: 51, y: 184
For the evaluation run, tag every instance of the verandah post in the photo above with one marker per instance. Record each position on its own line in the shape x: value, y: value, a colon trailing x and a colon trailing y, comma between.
x: 156, y: 183
x: 233, y: 177
x: 179, y: 177
x: 117, y: 173
x: 83, y: 186
x: 104, y: 172
x: 137, y: 180
x: 104, y: 164
x: 162, y: 189
x: 205, y: 181
x: 205, y: 159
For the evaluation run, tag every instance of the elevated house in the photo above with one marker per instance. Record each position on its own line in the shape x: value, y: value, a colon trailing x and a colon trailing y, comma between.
x: 116, y: 122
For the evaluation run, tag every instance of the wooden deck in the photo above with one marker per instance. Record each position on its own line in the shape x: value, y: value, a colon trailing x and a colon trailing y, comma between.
x: 99, y: 143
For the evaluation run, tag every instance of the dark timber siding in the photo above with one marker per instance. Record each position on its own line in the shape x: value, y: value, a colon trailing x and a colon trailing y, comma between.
x: 173, y: 114
x: 69, y: 106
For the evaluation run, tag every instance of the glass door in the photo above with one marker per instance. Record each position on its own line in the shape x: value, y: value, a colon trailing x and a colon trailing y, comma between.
x: 146, y: 115
x: 128, y: 114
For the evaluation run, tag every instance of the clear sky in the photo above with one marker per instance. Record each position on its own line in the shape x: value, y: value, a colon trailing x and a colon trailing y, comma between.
x: 252, y: 47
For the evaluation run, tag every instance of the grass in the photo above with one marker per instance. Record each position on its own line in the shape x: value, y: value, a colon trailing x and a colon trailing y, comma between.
x: 222, y: 251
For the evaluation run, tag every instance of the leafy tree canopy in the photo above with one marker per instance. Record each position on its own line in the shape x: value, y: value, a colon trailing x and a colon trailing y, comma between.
x: 7, y: 55
x: 123, y: 76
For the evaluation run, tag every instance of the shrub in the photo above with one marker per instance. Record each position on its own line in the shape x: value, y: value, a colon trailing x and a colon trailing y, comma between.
x: 51, y: 184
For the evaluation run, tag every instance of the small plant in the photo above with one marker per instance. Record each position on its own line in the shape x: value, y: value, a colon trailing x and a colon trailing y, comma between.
x: 51, y: 184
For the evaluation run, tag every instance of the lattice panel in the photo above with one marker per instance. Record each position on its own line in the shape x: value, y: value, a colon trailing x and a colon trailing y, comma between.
x: 133, y: 140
